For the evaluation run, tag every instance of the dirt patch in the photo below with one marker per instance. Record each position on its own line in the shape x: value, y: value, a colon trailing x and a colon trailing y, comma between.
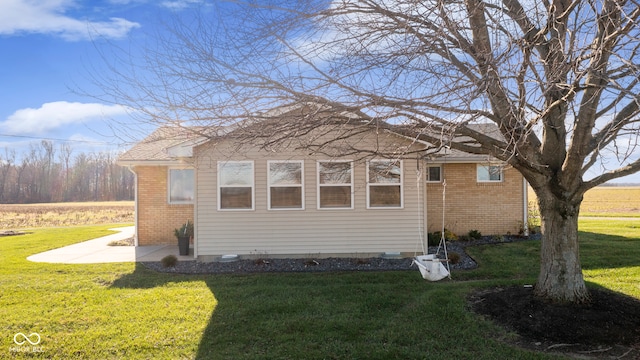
x: 607, y: 328
x: 13, y: 233
x: 124, y: 242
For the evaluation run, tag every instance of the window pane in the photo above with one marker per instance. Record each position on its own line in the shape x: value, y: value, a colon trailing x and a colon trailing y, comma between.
x: 181, y: 185
x: 384, y: 172
x: 235, y: 198
x: 384, y: 196
x: 286, y: 197
x: 234, y: 173
x: 434, y: 173
x: 285, y: 173
x: 335, y: 173
x: 495, y: 173
x: 483, y: 173
x: 489, y: 173
x: 335, y: 196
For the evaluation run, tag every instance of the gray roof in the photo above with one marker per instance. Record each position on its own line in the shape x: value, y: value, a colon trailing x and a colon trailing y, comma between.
x: 154, y: 147
x: 446, y: 153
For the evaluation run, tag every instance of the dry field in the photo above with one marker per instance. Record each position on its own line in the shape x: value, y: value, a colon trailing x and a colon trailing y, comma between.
x: 18, y: 216
x: 601, y: 201
x: 605, y: 201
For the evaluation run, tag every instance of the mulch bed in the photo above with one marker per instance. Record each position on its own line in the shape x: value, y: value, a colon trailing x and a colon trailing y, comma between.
x: 607, y: 328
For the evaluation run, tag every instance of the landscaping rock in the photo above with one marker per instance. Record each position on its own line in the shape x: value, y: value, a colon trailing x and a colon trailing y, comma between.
x: 328, y: 264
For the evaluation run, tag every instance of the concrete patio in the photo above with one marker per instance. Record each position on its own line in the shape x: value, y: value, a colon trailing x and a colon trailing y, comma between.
x: 98, y: 251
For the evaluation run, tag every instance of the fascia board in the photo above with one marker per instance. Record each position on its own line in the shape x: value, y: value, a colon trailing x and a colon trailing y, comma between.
x: 185, y: 149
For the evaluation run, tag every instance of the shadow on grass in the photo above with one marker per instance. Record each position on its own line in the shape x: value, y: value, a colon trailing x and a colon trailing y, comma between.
x: 376, y: 315
x: 601, y: 251
x: 520, y: 260
x: 145, y: 278
x: 324, y: 315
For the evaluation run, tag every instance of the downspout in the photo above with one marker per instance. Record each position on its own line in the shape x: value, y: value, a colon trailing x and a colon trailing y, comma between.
x: 195, y: 213
x: 135, y: 204
x: 425, y: 207
x: 525, y: 205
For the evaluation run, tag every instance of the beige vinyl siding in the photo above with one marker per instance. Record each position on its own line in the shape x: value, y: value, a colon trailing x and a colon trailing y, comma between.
x: 308, y: 232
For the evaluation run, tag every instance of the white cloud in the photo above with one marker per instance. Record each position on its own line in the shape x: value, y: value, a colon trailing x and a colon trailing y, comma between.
x: 179, y: 4
x: 57, y: 114
x: 48, y: 17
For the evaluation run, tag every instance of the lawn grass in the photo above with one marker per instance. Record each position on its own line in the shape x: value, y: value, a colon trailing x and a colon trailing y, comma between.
x: 114, y: 311
x: 610, y: 250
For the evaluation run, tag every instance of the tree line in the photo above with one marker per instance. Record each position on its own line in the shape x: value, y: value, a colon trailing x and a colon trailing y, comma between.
x: 46, y: 173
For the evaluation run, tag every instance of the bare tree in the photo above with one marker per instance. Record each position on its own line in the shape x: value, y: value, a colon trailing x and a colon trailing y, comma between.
x: 65, y: 159
x: 6, y: 165
x: 559, y: 79
x: 37, y: 177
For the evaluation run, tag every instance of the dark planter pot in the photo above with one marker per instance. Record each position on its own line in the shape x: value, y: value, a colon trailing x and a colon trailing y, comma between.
x: 183, y: 245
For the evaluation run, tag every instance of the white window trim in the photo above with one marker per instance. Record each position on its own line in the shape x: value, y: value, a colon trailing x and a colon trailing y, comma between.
x: 489, y: 181
x: 253, y: 181
x: 187, y: 202
x: 269, y: 185
x: 427, y: 173
x: 318, y: 185
x: 369, y: 184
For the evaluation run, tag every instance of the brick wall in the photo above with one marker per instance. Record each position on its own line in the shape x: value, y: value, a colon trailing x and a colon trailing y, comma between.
x: 156, y: 217
x: 491, y: 208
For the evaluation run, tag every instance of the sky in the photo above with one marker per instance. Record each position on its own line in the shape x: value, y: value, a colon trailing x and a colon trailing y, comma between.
x: 49, y: 51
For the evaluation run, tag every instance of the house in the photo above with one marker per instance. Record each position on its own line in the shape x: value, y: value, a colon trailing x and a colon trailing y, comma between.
x: 319, y: 193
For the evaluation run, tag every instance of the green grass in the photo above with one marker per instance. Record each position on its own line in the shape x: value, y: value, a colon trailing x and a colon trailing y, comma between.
x: 113, y: 311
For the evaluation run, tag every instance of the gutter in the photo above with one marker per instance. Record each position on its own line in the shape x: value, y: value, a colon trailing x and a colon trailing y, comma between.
x: 131, y: 163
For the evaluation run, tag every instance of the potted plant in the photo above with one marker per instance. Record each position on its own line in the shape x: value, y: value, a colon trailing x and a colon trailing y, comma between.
x: 184, y: 234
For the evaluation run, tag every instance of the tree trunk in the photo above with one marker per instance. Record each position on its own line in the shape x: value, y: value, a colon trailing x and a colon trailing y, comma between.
x: 560, y: 279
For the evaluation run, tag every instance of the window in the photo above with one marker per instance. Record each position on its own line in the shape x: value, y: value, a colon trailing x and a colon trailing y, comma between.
x: 285, y: 185
x: 235, y: 185
x: 335, y: 185
x: 181, y: 186
x: 489, y: 173
x: 384, y: 188
x: 434, y: 173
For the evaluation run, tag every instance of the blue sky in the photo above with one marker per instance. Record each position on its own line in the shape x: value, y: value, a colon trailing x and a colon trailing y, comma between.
x: 49, y: 51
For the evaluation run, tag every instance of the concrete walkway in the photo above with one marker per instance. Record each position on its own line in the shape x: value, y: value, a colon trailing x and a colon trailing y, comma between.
x: 98, y: 251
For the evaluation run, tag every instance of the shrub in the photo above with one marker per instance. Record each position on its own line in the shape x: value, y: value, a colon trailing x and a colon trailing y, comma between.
x: 169, y: 261
x: 464, y: 238
x: 474, y: 234
x: 450, y: 235
x: 454, y: 257
x: 433, y: 239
